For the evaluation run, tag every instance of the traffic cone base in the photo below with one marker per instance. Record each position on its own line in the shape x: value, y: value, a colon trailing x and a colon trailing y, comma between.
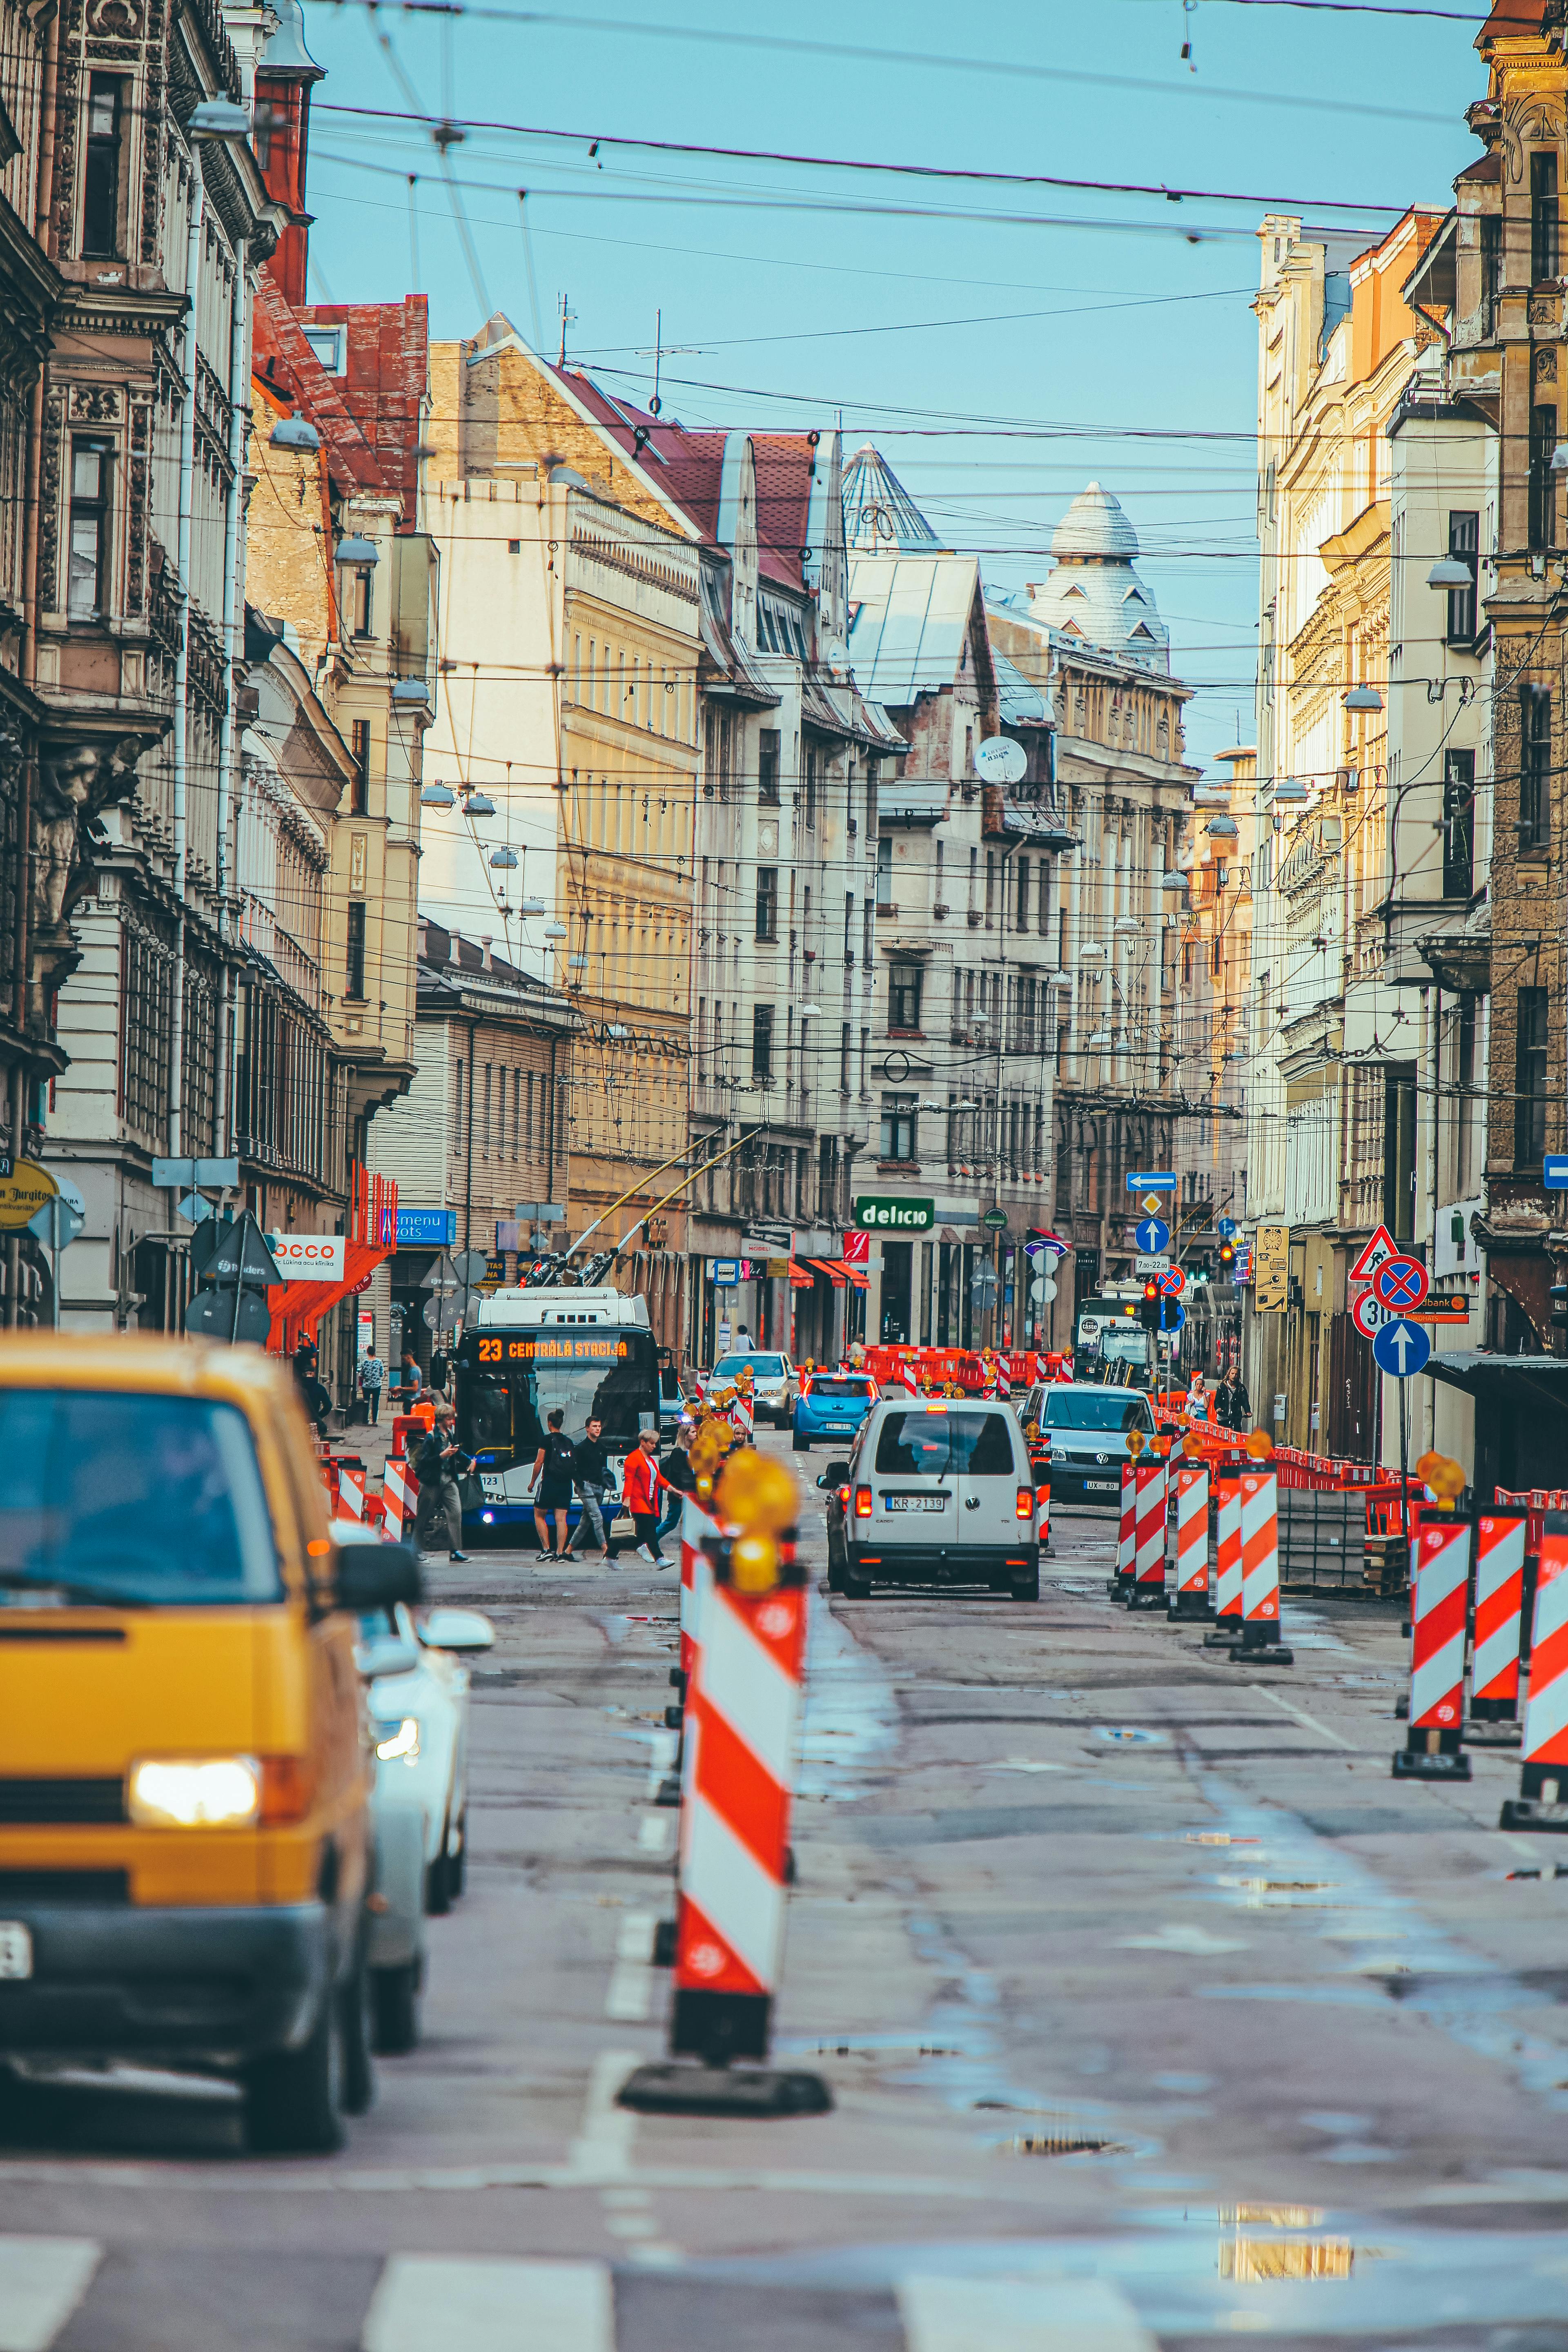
x: 672, y: 2087
x: 1432, y: 1756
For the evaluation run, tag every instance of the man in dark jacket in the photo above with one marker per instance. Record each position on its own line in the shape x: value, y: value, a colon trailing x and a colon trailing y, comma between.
x: 591, y: 1476
x: 437, y: 1466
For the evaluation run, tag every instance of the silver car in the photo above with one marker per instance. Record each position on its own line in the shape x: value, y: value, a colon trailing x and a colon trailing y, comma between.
x: 775, y: 1382
x: 1087, y: 1428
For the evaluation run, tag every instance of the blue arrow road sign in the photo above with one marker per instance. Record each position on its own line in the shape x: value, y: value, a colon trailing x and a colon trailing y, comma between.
x: 1145, y: 1183
x: 1401, y: 1349
x: 1555, y: 1174
x: 1227, y: 1228
x: 1150, y: 1236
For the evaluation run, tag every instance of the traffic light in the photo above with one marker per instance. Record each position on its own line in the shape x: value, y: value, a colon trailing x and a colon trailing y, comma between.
x: 1226, y: 1257
x: 1150, y: 1315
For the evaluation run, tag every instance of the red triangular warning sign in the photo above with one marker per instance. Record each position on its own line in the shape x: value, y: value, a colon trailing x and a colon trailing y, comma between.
x: 1378, y: 1251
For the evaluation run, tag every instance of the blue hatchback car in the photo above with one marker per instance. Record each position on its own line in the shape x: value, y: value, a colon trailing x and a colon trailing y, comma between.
x: 833, y: 1407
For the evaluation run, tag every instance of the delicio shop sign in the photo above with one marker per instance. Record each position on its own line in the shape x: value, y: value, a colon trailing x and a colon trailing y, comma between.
x: 892, y: 1213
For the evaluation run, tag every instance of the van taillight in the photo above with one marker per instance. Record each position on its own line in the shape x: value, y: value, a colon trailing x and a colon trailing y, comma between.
x: 862, y: 1502
x: 286, y: 1790
x: 1025, y: 1502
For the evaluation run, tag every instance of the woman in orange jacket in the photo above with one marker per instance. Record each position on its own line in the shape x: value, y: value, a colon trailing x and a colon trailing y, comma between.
x: 641, y: 1482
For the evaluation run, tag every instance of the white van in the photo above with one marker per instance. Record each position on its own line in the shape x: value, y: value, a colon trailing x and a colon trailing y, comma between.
x: 936, y: 1492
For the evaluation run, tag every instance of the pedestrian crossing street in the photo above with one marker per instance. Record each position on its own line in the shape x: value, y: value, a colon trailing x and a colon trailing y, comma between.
x: 69, y: 2295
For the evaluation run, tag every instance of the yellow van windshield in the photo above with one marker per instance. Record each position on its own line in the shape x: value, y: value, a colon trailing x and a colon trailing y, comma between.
x: 133, y: 1499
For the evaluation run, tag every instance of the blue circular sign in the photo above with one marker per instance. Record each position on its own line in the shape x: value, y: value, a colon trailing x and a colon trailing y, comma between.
x: 1401, y: 1349
x: 1152, y: 1237
x: 1225, y: 1227
x: 1401, y: 1284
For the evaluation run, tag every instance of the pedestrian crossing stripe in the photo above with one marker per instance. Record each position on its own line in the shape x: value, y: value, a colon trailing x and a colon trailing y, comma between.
x: 42, y: 2280
x: 478, y: 2303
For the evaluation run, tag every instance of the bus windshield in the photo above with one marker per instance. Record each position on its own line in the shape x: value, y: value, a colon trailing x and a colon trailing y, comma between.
x: 507, y: 1382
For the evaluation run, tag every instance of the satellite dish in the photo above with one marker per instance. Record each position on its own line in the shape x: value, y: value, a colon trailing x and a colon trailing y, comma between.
x: 1000, y: 760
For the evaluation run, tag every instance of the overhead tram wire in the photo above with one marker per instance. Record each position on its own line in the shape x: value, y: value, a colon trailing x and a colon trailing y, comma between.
x: 1010, y: 68
x: 940, y: 173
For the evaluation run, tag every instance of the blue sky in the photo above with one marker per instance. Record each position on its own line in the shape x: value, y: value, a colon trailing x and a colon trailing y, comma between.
x: 1003, y: 346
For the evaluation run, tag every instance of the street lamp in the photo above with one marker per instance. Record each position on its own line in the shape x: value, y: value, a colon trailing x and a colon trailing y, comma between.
x: 1367, y: 697
x: 437, y: 795
x: 294, y: 433
x: 479, y: 804
x: 1449, y: 572
x: 218, y: 118
x: 356, y: 553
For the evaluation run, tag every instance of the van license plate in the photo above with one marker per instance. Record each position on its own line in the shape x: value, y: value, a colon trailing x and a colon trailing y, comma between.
x: 16, y: 1950
x: 915, y: 1501
x: 1100, y: 1486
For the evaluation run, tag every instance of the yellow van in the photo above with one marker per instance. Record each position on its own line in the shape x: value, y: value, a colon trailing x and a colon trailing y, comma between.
x: 185, y: 1775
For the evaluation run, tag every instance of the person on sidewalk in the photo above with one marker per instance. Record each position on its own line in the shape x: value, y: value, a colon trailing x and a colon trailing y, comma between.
x: 437, y: 1466
x: 553, y: 1474
x: 640, y: 1483
x: 679, y: 1478
x: 591, y: 1475
x: 372, y: 1381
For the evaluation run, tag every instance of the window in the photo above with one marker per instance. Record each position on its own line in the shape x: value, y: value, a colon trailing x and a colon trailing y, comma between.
x: 904, y: 996
x: 356, y: 605
x: 990, y: 887
x: 359, y: 787
x: 1216, y: 959
x: 761, y: 1041
x: 1463, y: 1122
x: 356, y: 960
x: 1543, y: 215
x: 1464, y: 546
x: 1459, y: 823
x: 1022, y: 922
x: 1186, y: 966
x: 899, y: 1121
x: 1530, y: 1078
x: 90, y: 462
x: 1542, y: 481
x: 100, y: 177
x: 768, y: 745
x: 1534, y: 767
x: 850, y: 926
x: 767, y: 902
x: 484, y: 1131
x: 811, y: 789
x: 844, y: 1059
x: 885, y: 872
x: 327, y: 343
x: 1399, y: 1149
x: 1491, y: 270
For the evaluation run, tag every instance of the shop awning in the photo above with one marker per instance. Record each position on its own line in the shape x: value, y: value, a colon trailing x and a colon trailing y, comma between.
x: 798, y: 1278
x: 832, y: 1268
x: 1478, y: 1370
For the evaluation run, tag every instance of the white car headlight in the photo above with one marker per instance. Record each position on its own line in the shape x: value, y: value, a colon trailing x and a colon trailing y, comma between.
x: 398, y: 1739
x: 194, y: 1793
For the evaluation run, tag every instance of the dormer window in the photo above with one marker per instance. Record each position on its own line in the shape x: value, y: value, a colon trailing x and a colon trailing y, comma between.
x: 327, y: 343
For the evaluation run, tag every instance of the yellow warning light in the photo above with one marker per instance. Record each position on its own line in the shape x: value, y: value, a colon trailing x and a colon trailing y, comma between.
x: 1136, y: 1441
x: 1259, y: 1445
x: 754, y: 1563
x: 756, y: 1494
x: 1444, y: 1475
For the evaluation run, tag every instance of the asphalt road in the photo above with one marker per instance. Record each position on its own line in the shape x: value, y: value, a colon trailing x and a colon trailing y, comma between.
x: 1154, y: 2011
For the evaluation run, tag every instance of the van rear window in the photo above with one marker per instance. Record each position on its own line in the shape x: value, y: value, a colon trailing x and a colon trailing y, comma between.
x: 930, y: 1444
x: 131, y: 1499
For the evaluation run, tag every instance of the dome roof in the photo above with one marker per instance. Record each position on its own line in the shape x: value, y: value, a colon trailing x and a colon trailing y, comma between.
x: 1094, y: 529
x: 879, y: 516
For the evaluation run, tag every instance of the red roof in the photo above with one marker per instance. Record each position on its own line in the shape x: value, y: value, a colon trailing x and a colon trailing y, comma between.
x: 384, y: 381
x: 368, y: 417
x: 1513, y: 17
x: 785, y: 461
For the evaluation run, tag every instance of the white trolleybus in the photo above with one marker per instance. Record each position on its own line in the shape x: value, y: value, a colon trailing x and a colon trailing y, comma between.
x: 589, y: 1352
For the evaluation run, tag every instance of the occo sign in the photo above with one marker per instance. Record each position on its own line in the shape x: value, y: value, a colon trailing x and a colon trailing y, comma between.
x: 308, y: 1257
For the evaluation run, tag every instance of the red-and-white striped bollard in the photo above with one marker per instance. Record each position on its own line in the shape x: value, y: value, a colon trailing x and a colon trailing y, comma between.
x: 350, y: 1491
x: 1005, y: 1375
x: 1191, y: 1597
x: 1439, y: 1608
x: 910, y: 1376
x: 1543, y: 1760
x: 1260, y: 1495
x: 1150, y: 1501
x: 696, y: 1577
x: 1227, y: 1559
x: 1499, y: 1603
x: 399, y: 1497
x: 1126, y: 1537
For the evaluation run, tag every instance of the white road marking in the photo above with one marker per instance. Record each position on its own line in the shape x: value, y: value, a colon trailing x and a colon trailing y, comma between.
x: 1046, y: 2314
x: 662, y: 1749
x: 630, y: 1996
x: 603, y: 2148
x: 42, y: 2280
x: 603, y: 2136
x: 490, y: 2303
x: 1301, y: 1716
x: 1519, y: 1845
x: 653, y: 1833
x: 1194, y: 1942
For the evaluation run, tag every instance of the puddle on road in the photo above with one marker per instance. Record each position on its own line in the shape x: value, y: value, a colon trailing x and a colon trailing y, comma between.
x: 1284, y: 2270
x: 852, y: 1718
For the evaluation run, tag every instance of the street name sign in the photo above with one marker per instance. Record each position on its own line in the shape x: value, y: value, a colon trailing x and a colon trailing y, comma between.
x: 1554, y: 1175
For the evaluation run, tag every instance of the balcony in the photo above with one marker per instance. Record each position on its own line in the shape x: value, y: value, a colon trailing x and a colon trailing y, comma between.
x: 920, y: 802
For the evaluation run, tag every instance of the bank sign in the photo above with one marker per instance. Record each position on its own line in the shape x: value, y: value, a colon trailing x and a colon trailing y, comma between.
x: 878, y: 1213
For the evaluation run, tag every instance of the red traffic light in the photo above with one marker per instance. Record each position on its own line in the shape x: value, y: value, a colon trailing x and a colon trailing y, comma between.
x: 1227, y: 1253
x: 1150, y: 1290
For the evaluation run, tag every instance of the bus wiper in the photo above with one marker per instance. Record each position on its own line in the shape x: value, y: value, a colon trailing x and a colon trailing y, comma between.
x: 76, y: 1589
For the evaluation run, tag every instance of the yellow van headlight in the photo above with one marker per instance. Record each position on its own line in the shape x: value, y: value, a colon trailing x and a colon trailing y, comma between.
x: 194, y: 1793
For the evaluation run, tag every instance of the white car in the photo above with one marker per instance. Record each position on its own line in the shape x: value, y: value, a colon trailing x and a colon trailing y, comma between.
x: 935, y: 1491
x: 775, y: 1382
x: 419, y: 1703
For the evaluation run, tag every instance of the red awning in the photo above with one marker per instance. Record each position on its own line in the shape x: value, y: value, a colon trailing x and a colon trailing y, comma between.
x: 798, y: 1278
x: 831, y: 1268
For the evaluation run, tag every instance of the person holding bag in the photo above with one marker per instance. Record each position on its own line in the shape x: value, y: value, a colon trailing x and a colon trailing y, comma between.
x: 641, y: 1482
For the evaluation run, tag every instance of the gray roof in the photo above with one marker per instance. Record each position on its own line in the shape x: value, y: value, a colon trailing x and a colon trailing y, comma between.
x: 1094, y: 595
x: 909, y: 620
x: 879, y: 516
